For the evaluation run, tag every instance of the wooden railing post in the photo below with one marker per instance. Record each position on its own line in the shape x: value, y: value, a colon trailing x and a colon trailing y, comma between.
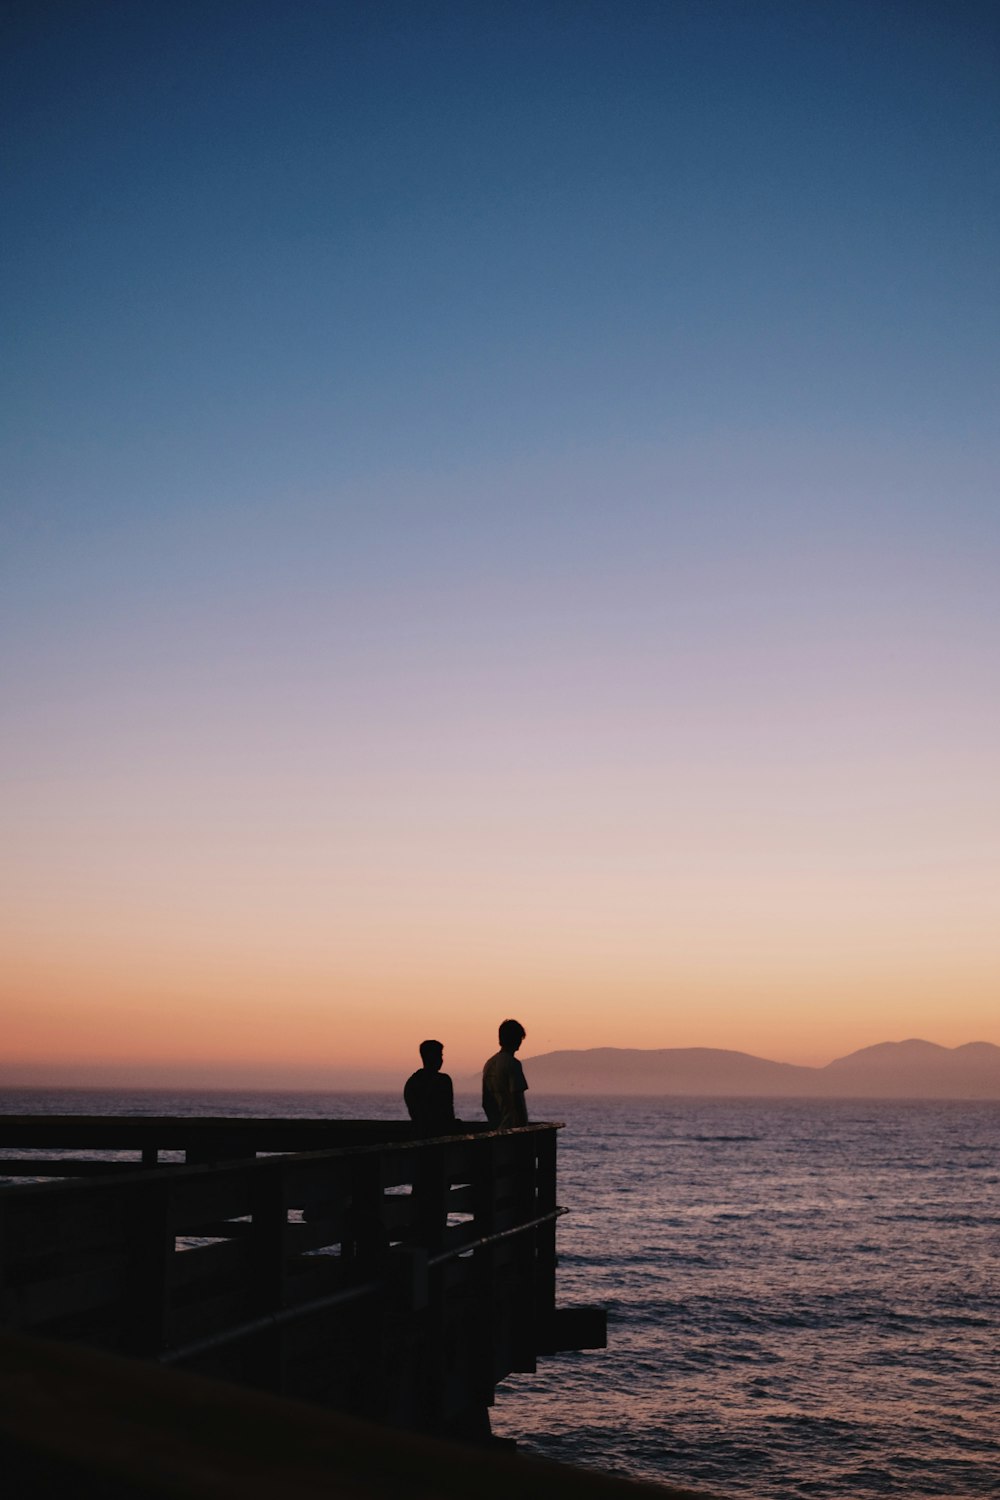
x: 150, y: 1241
x: 269, y: 1217
x: 430, y: 1197
x: 545, y: 1234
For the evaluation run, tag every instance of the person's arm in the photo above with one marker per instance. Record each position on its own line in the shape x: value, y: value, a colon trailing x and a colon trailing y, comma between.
x: 519, y: 1085
x: 491, y: 1100
x: 508, y: 1082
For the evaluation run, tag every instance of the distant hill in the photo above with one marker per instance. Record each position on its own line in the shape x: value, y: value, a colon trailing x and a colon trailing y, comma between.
x: 890, y: 1070
x: 918, y: 1070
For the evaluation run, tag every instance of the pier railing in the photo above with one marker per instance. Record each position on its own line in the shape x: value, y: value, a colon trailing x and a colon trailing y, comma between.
x: 392, y: 1278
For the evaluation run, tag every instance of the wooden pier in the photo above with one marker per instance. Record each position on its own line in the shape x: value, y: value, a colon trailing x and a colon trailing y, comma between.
x: 341, y: 1262
x: 229, y: 1309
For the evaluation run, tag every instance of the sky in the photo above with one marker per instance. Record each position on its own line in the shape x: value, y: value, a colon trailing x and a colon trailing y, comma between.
x: 499, y: 518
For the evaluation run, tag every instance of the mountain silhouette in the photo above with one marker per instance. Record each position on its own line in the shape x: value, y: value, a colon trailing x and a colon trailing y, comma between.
x: 890, y: 1070
x: 919, y: 1069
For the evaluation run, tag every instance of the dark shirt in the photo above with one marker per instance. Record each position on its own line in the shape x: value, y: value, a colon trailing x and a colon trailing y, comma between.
x: 430, y: 1099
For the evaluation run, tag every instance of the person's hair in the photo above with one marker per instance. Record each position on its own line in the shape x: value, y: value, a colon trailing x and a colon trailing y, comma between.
x: 430, y: 1049
x: 511, y: 1032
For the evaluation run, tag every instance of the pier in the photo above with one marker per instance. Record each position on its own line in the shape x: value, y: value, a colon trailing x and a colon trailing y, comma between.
x: 241, y: 1307
x: 217, y: 1288
x: 342, y: 1262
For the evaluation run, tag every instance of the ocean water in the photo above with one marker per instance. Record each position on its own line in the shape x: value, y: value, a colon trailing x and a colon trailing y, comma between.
x: 803, y: 1297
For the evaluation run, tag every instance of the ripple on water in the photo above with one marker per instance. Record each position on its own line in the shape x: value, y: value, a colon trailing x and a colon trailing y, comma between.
x: 801, y: 1300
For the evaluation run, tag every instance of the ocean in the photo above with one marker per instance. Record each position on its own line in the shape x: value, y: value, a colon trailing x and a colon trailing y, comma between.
x: 803, y: 1297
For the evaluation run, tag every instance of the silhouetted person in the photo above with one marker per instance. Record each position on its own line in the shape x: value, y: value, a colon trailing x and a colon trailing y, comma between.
x: 428, y: 1094
x: 504, y: 1083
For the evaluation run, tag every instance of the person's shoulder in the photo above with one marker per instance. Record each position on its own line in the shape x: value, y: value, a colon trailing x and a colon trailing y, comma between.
x: 414, y: 1080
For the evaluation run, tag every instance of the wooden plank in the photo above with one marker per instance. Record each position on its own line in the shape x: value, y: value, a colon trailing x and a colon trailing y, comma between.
x: 202, y: 1196
x: 206, y: 1265
x: 223, y: 1229
x: 573, y: 1328
x: 178, y: 1133
x: 151, y: 1252
x: 317, y: 1236
x: 129, y: 1132
x: 462, y: 1199
x: 62, y: 1166
x: 63, y: 1223
x: 312, y: 1179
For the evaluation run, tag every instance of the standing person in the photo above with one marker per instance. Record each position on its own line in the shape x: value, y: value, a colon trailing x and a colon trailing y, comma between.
x: 428, y: 1094
x: 504, y: 1083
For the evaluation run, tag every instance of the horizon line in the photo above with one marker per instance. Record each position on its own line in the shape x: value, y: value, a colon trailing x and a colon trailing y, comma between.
x: 243, y: 1076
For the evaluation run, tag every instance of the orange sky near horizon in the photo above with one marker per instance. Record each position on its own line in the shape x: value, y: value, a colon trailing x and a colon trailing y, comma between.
x: 251, y: 972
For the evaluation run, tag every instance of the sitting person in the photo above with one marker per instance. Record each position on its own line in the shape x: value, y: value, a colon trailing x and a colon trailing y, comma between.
x: 428, y: 1094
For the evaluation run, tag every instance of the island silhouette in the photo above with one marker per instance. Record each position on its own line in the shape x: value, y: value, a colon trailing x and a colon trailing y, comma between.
x: 889, y: 1070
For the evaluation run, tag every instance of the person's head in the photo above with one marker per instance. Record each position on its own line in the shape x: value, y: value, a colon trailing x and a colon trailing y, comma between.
x: 512, y: 1034
x: 432, y: 1056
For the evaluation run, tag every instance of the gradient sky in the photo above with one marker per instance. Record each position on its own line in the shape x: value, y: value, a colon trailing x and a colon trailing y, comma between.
x: 500, y: 517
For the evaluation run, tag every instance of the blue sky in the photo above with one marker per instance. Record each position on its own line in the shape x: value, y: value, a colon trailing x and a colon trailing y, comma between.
x: 293, y: 239
x: 513, y: 404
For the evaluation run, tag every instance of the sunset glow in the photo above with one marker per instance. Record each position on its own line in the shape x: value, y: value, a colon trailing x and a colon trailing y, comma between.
x: 516, y: 536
